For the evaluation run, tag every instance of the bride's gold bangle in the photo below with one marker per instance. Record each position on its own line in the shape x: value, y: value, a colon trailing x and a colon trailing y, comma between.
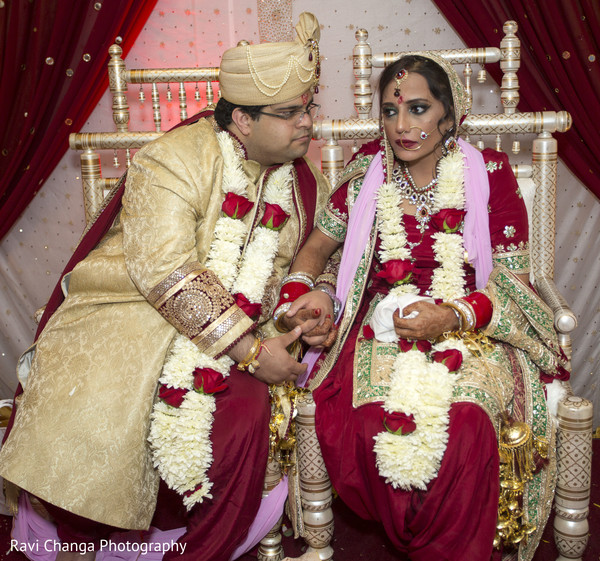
x: 278, y: 316
x: 458, y: 313
x: 464, y: 312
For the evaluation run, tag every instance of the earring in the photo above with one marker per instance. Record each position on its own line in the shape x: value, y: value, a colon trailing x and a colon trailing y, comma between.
x: 450, y: 144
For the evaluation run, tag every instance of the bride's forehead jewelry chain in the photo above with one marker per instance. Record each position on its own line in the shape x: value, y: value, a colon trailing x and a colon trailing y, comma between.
x: 422, y: 197
x: 400, y: 77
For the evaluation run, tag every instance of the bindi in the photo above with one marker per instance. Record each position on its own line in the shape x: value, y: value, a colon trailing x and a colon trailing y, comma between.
x: 400, y: 77
x: 304, y: 98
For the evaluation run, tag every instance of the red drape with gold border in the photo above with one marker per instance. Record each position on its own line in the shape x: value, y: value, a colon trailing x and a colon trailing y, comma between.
x: 53, y: 60
x: 560, y: 64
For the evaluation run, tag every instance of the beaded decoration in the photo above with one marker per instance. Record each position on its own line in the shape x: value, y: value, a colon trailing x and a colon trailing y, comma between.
x: 422, y: 197
x: 400, y: 77
x: 308, y: 75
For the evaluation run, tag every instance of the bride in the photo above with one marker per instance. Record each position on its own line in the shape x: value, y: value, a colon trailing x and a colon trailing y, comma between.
x: 431, y: 410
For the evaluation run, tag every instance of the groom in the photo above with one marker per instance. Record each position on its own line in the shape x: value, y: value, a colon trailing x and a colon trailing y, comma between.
x: 175, y: 277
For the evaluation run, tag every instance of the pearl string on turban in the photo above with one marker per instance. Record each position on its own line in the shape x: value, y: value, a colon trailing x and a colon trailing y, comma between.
x: 270, y: 73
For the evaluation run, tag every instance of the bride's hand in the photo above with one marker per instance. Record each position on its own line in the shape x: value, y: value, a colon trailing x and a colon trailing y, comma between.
x: 313, y: 312
x: 432, y: 320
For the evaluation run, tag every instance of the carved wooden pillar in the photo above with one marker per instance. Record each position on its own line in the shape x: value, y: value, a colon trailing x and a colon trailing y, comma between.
x: 332, y: 161
x: 91, y: 178
x: 574, y: 457
x: 117, y: 84
x: 362, y: 68
x: 315, y: 487
x: 270, y: 548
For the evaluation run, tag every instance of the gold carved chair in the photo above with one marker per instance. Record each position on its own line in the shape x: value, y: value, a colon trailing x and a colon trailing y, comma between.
x: 574, y: 413
x: 538, y: 178
x: 185, y: 80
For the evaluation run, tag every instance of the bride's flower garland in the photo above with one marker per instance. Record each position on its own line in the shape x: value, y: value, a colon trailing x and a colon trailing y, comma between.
x: 182, y: 419
x: 410, y: 452
x: 420, y: 388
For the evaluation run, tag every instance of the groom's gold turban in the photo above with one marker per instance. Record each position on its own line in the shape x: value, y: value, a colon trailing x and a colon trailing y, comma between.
x: 270, y: 73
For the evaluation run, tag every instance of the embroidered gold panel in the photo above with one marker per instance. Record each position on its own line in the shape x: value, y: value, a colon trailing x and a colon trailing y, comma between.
x: 195, y: 302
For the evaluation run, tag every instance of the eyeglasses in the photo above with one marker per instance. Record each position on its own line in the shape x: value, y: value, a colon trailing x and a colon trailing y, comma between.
x: 296, y: 115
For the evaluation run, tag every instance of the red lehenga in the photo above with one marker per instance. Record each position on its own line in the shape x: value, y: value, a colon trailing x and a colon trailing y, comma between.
x: 455, y: 517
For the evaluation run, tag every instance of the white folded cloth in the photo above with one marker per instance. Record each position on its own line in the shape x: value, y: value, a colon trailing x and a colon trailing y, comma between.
x: 382, y: 322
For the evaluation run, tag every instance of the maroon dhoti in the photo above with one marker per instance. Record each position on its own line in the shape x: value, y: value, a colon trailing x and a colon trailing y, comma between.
x: 240, y: 441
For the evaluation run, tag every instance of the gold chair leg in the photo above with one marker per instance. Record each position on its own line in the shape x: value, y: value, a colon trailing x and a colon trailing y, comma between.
x: 574, y: 459
x: 315, y: 487
x: 270, y: 548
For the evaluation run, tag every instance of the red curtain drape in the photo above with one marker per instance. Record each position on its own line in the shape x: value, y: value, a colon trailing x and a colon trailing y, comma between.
x: 560, y: 64
x: 53, y: 60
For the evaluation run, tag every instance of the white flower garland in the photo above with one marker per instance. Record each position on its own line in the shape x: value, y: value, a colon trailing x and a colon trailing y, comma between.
x: 230, y: 233
x: 419, y: 386
x: 423, y: 389
x: 180, y: 436
x: 450, y: 192
x: 257, y: 265
x: 448, y: 281
x: 391, y: 228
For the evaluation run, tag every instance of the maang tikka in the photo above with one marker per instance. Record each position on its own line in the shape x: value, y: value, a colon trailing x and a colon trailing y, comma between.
x: 400, y: 77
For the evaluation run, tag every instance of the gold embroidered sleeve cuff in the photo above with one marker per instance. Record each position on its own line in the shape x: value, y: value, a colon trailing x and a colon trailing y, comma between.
x: 521, y: 319
x: 333, y: 224
x: 195, y: 302
x: 515, y: 257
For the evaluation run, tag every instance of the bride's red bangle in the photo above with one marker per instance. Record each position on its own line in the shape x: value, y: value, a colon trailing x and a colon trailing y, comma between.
x: 482, y: 306
x: 290, y: 291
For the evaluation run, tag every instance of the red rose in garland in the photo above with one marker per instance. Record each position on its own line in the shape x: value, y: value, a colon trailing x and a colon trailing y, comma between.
x: 236, y: 206
x: 450, y: 358
x: 172, y: 396
x: 399, y: 423
x: 448, y: 220
x: 396, y: 271
x: 422, y: 345
x: 274, y: 217
x: 207, y: 380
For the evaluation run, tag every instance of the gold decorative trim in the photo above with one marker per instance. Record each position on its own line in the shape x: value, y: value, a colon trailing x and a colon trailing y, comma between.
x: 195, y: 302
x: 299, y: 204
x: 224, y: 331
x: 158, y: 294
